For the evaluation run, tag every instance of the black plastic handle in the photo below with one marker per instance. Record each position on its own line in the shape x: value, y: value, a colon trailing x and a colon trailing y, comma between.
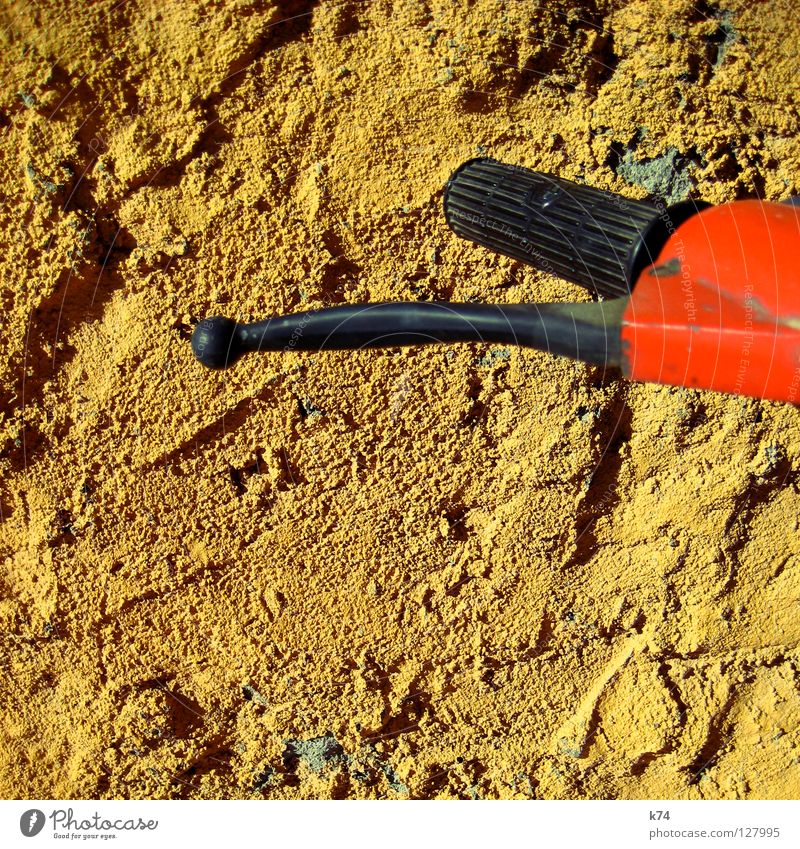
x: 591, y: 237
x: 584, y: 331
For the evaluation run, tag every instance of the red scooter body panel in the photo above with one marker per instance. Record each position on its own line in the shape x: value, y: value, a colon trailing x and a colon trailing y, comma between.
x: 720, y: 308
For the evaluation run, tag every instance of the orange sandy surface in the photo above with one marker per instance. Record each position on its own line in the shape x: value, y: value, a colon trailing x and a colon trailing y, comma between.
x: 443, y: 572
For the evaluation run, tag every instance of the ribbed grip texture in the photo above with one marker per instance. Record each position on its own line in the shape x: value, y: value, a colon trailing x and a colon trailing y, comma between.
x: 584, y: 235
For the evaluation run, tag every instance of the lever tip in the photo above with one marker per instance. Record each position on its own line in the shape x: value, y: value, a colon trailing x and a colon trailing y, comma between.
x: 214, y: 342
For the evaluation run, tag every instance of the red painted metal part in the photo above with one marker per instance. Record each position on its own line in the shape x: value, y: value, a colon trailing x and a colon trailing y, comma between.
x: 720, y: 308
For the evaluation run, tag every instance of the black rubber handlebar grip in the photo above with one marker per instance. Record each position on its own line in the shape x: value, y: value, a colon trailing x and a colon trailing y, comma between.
x: 591, y: 237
